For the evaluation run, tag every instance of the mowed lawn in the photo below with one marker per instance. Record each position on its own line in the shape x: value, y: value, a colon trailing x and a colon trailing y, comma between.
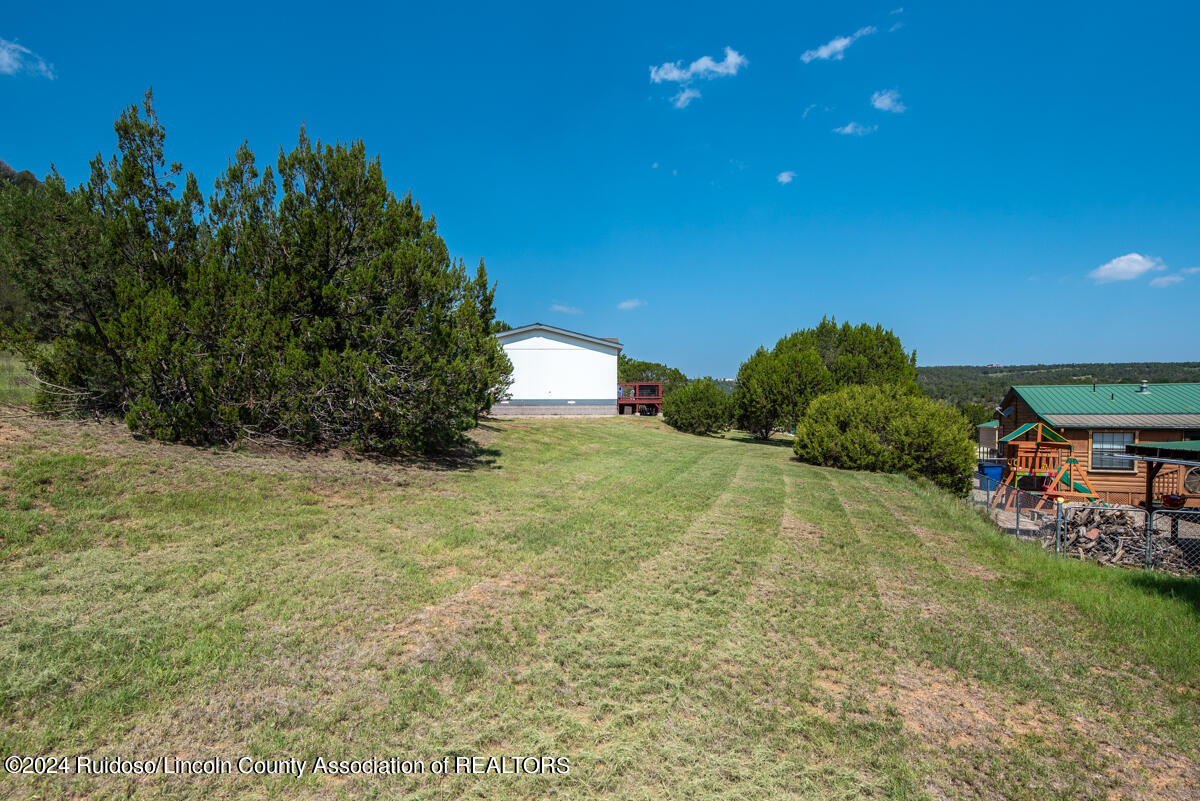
x: 681, y: 617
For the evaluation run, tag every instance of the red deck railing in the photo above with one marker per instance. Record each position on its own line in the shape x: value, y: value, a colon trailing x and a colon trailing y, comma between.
x: 636, y: 392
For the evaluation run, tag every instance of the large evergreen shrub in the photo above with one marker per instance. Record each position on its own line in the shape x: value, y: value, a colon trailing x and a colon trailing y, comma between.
x: 320, y: 309
x: 856, y: 354
x: 701, y: 407
x: 759, y: 400
x: 888, y: 430
x: 774, y: 387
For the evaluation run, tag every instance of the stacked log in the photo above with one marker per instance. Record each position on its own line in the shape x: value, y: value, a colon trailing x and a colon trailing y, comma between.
x: 1114, y: 537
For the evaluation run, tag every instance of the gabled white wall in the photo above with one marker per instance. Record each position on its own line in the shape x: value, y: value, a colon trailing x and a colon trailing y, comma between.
x: 547, y: 366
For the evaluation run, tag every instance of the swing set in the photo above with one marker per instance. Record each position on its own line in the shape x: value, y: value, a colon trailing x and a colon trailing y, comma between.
x: 1047, y: 456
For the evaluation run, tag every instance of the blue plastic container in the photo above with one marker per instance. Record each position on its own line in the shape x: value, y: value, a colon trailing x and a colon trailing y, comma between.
x: 993, y: 471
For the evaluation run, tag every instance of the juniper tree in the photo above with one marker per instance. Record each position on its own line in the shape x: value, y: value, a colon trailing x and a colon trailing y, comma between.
x: 304, y: 305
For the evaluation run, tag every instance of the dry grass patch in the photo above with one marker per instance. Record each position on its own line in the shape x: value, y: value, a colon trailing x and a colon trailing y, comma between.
x: 947, y: 713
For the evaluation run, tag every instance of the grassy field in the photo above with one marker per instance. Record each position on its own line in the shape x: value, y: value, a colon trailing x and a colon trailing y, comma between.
x: 681, y: 617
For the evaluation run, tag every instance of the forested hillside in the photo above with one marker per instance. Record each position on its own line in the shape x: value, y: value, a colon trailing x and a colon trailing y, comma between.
x: 961, y: 384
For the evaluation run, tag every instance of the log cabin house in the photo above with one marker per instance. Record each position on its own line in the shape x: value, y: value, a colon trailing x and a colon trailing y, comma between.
x: 1099, y: 420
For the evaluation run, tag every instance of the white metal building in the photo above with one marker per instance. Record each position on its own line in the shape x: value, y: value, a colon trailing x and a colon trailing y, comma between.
x: 559, y: 372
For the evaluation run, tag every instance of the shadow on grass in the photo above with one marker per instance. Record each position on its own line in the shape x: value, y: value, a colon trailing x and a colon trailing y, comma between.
x: 1176, y: 588
x: 747, y: 439
x: 459, y: 459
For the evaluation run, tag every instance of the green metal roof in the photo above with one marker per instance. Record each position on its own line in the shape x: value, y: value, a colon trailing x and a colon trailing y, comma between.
x: 1111, y: 399
x: 989, y: 424
x: 1189, y: 446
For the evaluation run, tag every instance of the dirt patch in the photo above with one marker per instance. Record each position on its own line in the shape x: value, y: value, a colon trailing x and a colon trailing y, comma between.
x: 438, y: 628
x: 10, y: 437
x: 11, y: 434
x: 928, y: 536
x: 796, y: 529
x: 941, y: 709
x: 945, y: 711
x: 914, y: 597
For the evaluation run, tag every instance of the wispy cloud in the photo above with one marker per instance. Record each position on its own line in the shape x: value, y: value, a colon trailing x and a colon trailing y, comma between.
x: 686, y: 95
x: 856, y: 129
x: 629, y: 305
x: 888, y: 100
x: 703, y: 68
x: 810, y: 107
x: 1126, y: 268
x: 1166, y: 280
x: 899, y: 10
x: 562, y: 308
x: 16, y: 59
x: 834, y: 49
x: 785, y: 177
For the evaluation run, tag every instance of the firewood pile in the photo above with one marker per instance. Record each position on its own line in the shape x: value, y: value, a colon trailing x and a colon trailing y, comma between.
x: 1114, y: 537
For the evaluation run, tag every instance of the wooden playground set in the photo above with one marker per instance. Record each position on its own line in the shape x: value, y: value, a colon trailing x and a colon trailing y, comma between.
x: 1044, y: 466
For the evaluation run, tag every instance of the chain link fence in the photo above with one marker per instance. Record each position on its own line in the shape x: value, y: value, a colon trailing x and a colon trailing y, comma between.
x: 1175, y: 537
x: 1167, y: 540
x: 1015, y: 511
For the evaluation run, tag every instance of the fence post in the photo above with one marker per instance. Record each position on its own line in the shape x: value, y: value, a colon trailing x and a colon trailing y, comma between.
x: 1058, y: 523
x: 1018, y: 511
x: 1149, y: 537
x: 988, y: 490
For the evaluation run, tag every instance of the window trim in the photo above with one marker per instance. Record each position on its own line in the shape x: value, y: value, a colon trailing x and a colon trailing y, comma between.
x: 1132, y: 470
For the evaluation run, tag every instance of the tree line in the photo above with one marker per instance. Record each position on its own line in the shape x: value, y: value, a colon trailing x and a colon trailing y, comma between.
x: 985, y: 386
x: 301, y: 304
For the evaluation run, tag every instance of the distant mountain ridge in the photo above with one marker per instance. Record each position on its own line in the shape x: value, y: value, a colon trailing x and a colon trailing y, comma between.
x: 961, y: 384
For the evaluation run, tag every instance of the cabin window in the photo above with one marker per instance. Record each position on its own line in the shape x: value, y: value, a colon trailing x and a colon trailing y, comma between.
x: 1105, y: 444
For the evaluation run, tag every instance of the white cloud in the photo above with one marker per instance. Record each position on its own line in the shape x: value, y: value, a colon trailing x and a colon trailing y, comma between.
x: 896, y: 27
x: 705, y: 67
x: 1125, y: 268
x: 686, y: 95
x: 16, y: 59
x: 654, y: 166
x: 899, y: 10
x: 856, y: 129
x: 804, y: 116
x: 888, y: 100
x: 785, y: 177
x: 632, y: 303
x: 564, y: 309
x: 1190, y: 270
x: 1165, y: 280
x: 834, y: 49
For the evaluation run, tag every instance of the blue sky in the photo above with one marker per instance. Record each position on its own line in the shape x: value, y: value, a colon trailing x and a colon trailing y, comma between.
x: 1010, y: 183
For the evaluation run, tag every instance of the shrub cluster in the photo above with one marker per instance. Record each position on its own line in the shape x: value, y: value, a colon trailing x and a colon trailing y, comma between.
x: 307, y: 305
x: 774, y: 387
x: 700, y: 407
x: 889, y: 430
